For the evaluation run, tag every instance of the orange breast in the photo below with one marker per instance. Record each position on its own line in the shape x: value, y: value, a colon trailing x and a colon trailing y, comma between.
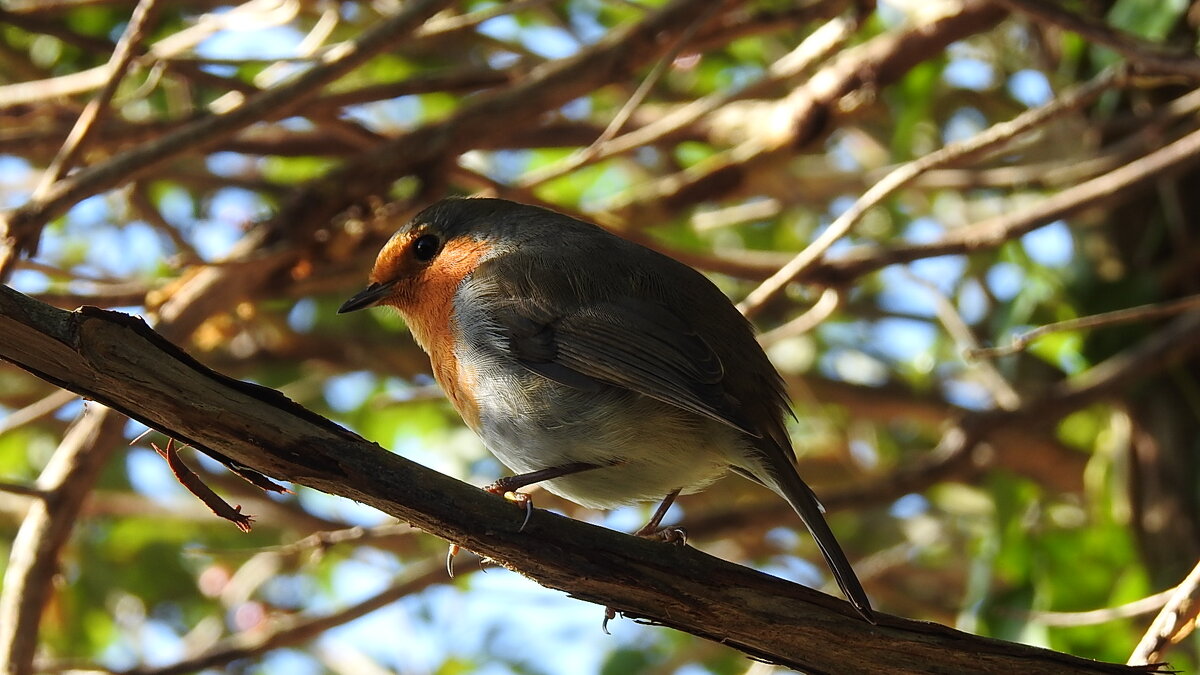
x: 454, y: 379
x: 428, y: 307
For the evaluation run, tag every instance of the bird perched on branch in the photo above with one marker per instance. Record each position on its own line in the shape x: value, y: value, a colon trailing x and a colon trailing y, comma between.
x: 607, y: 372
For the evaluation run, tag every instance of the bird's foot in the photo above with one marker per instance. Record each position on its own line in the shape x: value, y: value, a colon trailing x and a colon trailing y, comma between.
x: 610, y: 613
x: 502, y: 488
x: 672, y: 535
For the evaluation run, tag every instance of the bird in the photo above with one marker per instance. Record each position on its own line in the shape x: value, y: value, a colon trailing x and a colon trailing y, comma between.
x: 607, y: 372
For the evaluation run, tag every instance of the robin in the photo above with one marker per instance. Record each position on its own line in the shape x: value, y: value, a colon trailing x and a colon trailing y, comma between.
x: 607, y: 372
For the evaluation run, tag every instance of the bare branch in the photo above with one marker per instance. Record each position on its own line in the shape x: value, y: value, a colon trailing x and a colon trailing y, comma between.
x: 1175, y: 622
x: 94, y: 112
x: 600, y: 147
x: 1003, y: 393
x: 1146, y: 605
x: 33, y: 563
x: 98, y: 353
x: 292, y: 631
x: 995, y: 231
x: 1114, y: 318
x: 188, y: 479
x: 901, y: 176
x: 822, y: 309
x: 1148, y: 56
x: 780, y: 127
x: 36, y: 410
x: 21, y: 228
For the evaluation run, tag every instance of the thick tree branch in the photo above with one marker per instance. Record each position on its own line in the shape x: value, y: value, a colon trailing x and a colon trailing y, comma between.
x: 118, y: 360
x: 65, y: 482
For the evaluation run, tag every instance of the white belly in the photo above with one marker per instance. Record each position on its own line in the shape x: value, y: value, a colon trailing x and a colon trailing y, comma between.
x: 646, y: 449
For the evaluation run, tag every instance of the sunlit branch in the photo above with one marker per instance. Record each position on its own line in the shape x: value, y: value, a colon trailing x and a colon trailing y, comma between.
x: 986, y: 141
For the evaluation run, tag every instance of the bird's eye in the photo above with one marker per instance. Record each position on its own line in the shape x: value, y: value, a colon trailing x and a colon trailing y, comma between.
x: 426, y: 246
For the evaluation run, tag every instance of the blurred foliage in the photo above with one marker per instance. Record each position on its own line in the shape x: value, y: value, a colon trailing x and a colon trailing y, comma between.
x: 1054, y: 519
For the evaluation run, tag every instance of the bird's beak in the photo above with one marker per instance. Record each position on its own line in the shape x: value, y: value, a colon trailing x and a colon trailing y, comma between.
x: 367, y: 297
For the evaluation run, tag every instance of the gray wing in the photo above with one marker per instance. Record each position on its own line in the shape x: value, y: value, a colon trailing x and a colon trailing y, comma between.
x: 621, y: 341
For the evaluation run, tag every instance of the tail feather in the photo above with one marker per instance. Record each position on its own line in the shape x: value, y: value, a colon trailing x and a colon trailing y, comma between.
x: 790, y: 486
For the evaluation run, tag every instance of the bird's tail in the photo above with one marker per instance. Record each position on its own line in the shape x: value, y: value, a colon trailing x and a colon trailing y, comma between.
x: 790, y: 486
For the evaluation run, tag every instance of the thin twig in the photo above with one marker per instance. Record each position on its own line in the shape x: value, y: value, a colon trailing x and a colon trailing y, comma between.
x: 128, y: 294
x: 1140, y: 313
x: 1175, y: 622
x: 815, y: 47
x: 188, y: 479
x: 618, y: 121
x: 1003, y: 393
x: 441, y: 25
x: 139, y: 199
x: 72, y: 84
x: 985, y: 141
x: 21, y: 229
x: 72, y: 274
x: 823, y: 308
x: 325, y: 539
x: 995, y: 231
x: 295, y: 629
x: 1146, y: 55
x: 23, y: 489
x: 36, y: 410
x: 1146, y: 605
x: 93, y: 113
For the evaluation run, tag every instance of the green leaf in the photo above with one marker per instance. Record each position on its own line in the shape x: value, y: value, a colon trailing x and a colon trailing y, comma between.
x: 294, y: 170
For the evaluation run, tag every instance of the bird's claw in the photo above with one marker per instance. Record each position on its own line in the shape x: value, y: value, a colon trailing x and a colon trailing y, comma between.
x: 521, y: 499
x: 497, y: 488
x: 518, y: 498
x: 609, y: 615
x: 670, y: 535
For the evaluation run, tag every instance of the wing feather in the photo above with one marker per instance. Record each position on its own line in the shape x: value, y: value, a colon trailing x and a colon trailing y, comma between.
x: 628, y: 343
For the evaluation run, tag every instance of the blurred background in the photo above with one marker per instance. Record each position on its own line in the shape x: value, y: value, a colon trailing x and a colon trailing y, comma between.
x: 1047, y: 496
